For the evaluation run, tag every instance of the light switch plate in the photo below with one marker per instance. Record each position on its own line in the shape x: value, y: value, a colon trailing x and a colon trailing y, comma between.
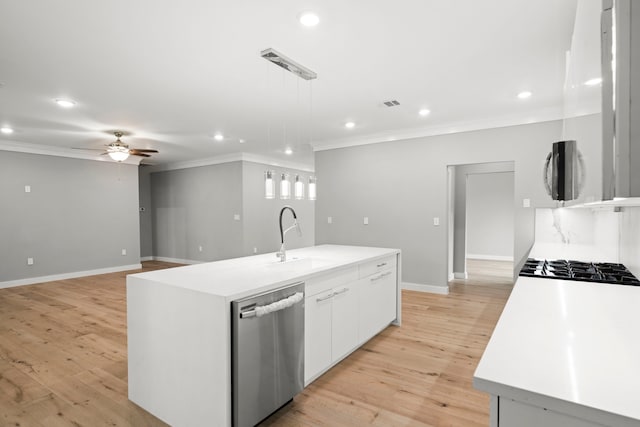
x: 27, y: 189
x: 124, y: 252
x: 436, y: 220
x: 365, y: 220
x: 329, y: 220
x: 526, y: 203
x: 236, y: 217
x: 29, y: 261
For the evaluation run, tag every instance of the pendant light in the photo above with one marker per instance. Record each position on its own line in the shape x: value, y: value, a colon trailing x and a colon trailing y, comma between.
x: 269, y: 185
x: 285, y: 186
x: 285, y: 183
x: 298, y: 188
x: 312, y: 187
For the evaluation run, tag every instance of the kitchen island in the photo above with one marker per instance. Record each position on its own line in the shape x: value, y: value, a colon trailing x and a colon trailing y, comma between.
x: 564, y: 352
x: 179, y: 322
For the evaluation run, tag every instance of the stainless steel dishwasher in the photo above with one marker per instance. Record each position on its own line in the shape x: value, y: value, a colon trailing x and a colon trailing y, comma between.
x: 268, y: 352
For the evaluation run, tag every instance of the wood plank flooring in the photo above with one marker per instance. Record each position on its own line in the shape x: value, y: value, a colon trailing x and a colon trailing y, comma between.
x: 63, y: 359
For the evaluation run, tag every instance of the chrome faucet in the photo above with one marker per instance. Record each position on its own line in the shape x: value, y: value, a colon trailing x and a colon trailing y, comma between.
x: 282, y: 254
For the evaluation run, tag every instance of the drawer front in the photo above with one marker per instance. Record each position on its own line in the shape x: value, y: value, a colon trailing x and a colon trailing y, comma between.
x: 372, y: 267
x: 323, y: 282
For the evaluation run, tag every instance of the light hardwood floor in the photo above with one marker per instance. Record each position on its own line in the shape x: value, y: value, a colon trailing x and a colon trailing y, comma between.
x: 63, y: 360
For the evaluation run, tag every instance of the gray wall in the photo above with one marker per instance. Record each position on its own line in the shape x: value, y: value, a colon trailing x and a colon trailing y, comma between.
x: 195, y: 207
x: 146, y: 225
x: 79, y: 215
x: 402, y: 185
x: 490, y: 209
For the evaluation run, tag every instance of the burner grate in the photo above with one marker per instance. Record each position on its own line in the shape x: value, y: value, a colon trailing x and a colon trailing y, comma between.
x: 578, y: 270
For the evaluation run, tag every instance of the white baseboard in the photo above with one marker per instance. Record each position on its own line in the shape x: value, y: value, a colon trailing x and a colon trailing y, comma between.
x: 490, y: 257
x: 146, y: 258
x: 451, y: 277
x: 176, y: 260
x: 463, y: 276
x: 442, y: 290
x: 64, y: 276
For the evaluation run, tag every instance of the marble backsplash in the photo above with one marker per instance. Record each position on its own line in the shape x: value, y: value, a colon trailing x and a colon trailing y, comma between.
x: 630, y: 239
x: 617, y: 234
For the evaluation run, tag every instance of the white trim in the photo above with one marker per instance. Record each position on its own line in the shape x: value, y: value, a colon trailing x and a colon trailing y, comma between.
x: 146, y: 258
x: 228, y: 158
x: 451, y: 277
x: 64, y: 276
x: 177, y: 260
x: 462, y: 276
x: 543, y: 115
x: 51, y: 150
x: 442, y: 290
x: 490, y: 257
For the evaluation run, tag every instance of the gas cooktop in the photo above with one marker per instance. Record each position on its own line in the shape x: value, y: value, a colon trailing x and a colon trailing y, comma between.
x: 599, y: 272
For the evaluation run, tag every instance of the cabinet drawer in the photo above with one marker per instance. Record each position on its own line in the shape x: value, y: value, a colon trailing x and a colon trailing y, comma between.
x: 323, y: 282
x: 376, y: 266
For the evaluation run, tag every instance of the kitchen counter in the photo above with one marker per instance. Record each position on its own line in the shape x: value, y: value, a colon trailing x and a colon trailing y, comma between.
x: 237, y: 278
x: 179, y: 322
x: 566, y: 346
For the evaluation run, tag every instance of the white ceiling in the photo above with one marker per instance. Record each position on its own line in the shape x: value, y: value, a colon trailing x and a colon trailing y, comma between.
x: 172, y: 74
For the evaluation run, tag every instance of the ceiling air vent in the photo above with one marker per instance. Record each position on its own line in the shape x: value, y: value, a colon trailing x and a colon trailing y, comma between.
x: 392, y: 103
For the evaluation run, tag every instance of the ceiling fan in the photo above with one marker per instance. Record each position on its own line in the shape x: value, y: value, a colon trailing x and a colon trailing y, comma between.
x: 119, y: 151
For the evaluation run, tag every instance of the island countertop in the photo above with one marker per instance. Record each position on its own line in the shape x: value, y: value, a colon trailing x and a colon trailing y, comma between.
x: 239, y: 277
x: 568, y: 346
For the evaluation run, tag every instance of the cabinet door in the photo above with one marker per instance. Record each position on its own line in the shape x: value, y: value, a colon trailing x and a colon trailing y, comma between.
x: 317, y: 335
x: 345, y: 320
x: 377, y: 303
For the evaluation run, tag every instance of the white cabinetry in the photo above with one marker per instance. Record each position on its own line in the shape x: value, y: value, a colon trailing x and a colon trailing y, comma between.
x: 378, y: 290
x: 518, y: 414
x: 346, y: 308
x: 331, y: 328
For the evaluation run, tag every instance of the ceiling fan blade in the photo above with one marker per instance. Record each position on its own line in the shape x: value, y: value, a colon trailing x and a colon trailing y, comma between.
x: 138, y: 154
x: 143, y: 150
x: 90, y: 149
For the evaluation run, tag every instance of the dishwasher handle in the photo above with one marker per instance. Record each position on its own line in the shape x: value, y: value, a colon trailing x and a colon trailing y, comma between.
x: 260, y: 311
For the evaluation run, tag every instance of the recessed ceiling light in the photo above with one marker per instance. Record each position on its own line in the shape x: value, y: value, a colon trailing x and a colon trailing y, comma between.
x: 309, y: 19
x: 524, y: 95
x: 65, y: 103
x: 424, y: 112
x: 349, y: 125
x: 241, y: 141
x: 218, y: 137
x: 6, y: 130
x: 593, y: 82
x: 288, y: 151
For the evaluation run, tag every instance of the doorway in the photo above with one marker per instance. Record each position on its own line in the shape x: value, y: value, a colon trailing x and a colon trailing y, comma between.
x: 481, y: 222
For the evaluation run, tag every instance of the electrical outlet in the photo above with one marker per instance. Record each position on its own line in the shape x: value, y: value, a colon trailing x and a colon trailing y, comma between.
x: 526, y: 203
x: 436, y: 221
x: 29, y: 261
x: 236, y: 217
x: 255, y: 250
x: 27, y: 189
x: 199, y: 248
x: 329, y: 220
x: 124, y: 252
x: 365, y: 220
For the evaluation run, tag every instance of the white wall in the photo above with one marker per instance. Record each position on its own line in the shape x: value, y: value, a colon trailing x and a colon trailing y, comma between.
x: 630, y: 239
x: 490, y: 211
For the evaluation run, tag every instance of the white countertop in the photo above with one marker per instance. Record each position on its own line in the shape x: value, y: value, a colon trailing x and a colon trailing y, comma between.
x: 577, y: 342
x: 239, y: 277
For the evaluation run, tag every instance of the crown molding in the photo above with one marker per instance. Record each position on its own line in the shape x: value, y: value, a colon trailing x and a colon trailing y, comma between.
x: 50, y: 150
x: 543, y: 115
x: 228, y: 158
